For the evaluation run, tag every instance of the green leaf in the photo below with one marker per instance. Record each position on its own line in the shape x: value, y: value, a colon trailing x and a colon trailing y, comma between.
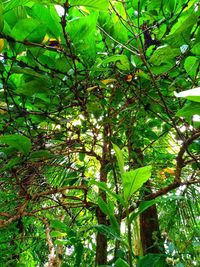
x: 164, y: 54
x: 29, y: 29
x: 122, y: 61
x: 120, y: 159
x: 15, y: 3
x: 82, y: 32
x: 192, y: 94
x: 189, y: 110
x: 79, y: 254
x: 19, y: 70
x: 13, y: 162
x: 19, y: 142
x: 180, y: 33
x: 58, y: 225
x: 191, y: 65
x: 110, y: 213
x: 119, y: 30
x: 57, y: 234
x: 108, y: 231
x: 121, y: 263
x: 41, y: 154
x: 32, y: 87
x: 1, y: 18
x: 133, y: 180
x: 153, y: 260
x: 96, y: 4
x: 142, y: 207
x: 104, y: 187
x: 114, y: 224
x: 103, y: 206
x: 196, y: 49
x: 48, y: 17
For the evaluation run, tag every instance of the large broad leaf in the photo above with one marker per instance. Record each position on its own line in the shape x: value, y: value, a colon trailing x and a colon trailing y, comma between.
x: 153, y: 260
x: 79, y: 253
x: 196, y: 49
x: 180, y: 33
x: 33, y: 86
x: 14, y: 3
x: 192, y: 94
x: 58, y: 225
x: 191, y: 65
x: 120, y: 158
x: 29, y: 29
x: 41, y: 154
x: 122, y: 61
x: 110, y: 213
x: 19, y: 142
x: 108, y: 231
x: 96, y: 4
x: 189, y: 110
x: 82, y: 31
x: 48, y: 16
x: 133, y: 180
x: 104, y: 187
x: 119, y: 30
x: 121, y: 263
x: 1, y: 18
x: 164, y: 54
x: 103, y: 206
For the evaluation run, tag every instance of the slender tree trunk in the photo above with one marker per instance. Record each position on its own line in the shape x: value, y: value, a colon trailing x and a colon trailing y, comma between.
x: 150, y: 236
x: 101, y: 239
x: 149, y: 230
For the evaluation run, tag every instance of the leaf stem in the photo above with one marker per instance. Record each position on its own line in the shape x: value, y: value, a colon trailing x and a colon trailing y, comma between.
x: 129, y: 237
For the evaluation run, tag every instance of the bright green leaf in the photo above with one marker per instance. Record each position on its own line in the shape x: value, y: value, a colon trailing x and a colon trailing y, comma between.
x: 103, y: 206
x: 180, y: 33
x: 104, y: 187
x: 133, y: 180
x: 32, y: 87
x: 29, y: 29
x: 122, y: 61
x: 189, y: 110
x: 121, y: 263
x: 164, y: 54
x: 57, y: 234
x: 19, y: 142
x: 96, y: 4
x: 191, y: 65
x: 119, y: 157
x: 79, y: 253
x: 196, y: 49
x: 41, y: 154
x: 153, y: 260
x: 58, y: 225
x: 108, y: 231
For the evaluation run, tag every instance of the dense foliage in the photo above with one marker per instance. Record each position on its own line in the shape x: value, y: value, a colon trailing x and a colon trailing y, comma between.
x: 99, y: 133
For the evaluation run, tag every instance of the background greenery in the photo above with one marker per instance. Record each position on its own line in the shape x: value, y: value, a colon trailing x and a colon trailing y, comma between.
x: 99, y: 124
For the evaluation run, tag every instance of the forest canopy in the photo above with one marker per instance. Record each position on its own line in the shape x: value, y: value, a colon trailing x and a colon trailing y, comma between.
x: 99, y: 133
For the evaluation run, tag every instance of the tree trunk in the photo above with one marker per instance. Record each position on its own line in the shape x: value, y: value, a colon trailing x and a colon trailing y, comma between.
x: 101, y: 239
x: 150, y: 236
x: 149, y: 230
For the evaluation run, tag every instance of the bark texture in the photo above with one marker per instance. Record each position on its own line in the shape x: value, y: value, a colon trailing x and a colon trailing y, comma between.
x: 149, y: 229
x: 101, y: 239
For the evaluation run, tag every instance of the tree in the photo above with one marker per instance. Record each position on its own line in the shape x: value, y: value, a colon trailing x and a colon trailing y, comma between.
x: 99, y: 143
